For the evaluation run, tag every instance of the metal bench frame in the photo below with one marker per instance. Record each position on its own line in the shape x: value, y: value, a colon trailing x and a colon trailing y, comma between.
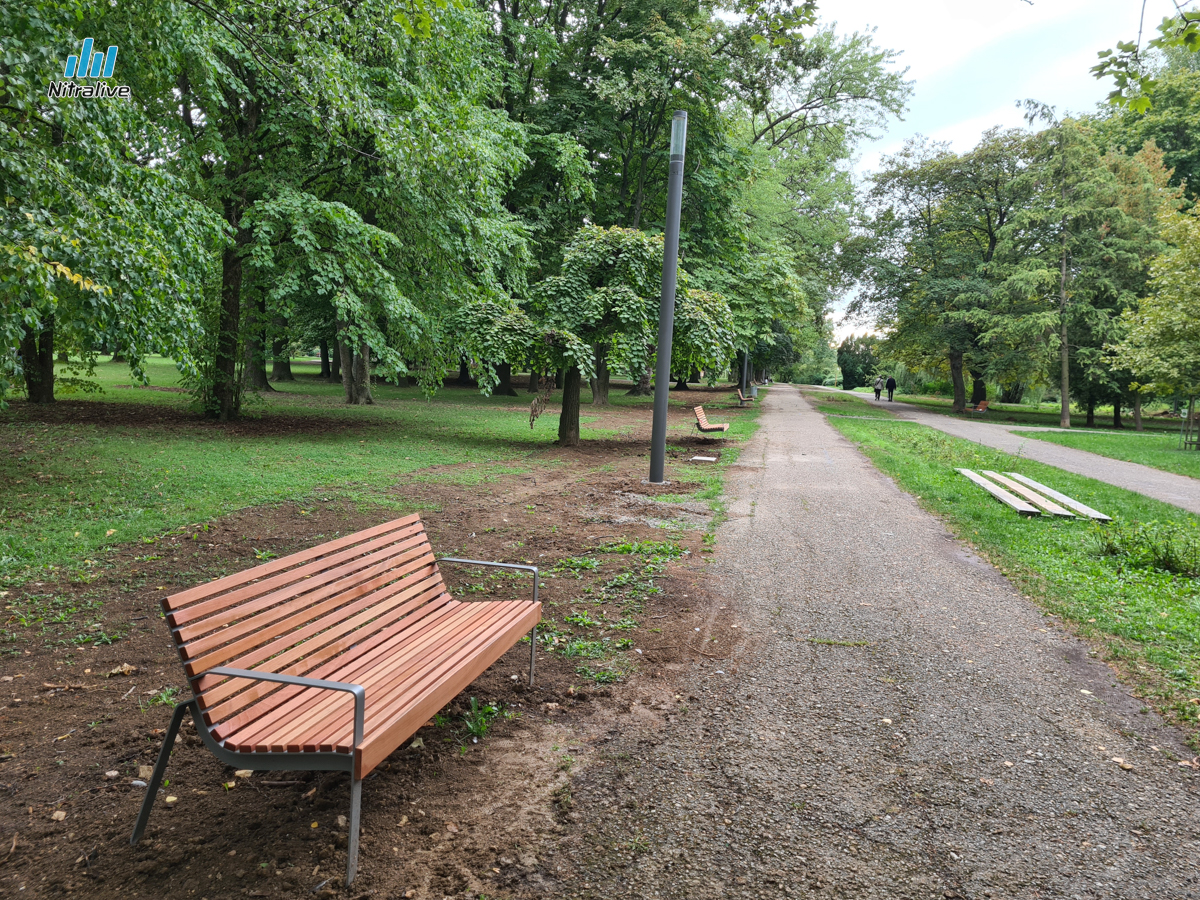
x: 300, y: 761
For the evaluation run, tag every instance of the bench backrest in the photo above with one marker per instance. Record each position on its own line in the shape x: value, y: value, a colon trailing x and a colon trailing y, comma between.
x: 700, y: 416
x: 982, y: 406
x: 296, y: 614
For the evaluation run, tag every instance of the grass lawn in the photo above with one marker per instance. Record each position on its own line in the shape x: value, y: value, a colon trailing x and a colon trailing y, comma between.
x: 130, y: 463
x: 1045, y: 415
x: 846, y: 405
x: 1160, y: 451
x: 1103, y: 578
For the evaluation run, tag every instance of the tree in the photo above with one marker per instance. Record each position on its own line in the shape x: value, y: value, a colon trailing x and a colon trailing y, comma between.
x: 1161, y: 344
x: 1135, y: 82
x: 856, y: 358
x: 98, y: 248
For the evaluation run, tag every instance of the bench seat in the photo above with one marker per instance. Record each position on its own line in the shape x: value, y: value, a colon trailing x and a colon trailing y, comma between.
x: 704, y: 425
x: 333, y: 657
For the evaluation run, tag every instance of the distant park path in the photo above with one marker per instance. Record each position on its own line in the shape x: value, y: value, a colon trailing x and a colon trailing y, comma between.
x: 1178, y: 490
x: 897, y: 722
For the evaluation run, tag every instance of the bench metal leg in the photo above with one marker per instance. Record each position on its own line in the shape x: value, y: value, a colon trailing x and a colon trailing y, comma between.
x: 532, y: 651
x: 160, y: 767
x: 355, y: 809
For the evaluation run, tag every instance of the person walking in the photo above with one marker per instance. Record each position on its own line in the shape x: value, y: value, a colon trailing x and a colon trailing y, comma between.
x: 891, y: 386
x: 878, y: 385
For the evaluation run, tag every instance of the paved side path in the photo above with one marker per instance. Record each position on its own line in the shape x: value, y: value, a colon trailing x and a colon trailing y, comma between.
x: 1178, y: 490
x: 898, y: 723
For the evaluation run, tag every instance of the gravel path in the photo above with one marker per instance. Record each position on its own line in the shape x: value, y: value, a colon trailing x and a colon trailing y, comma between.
x: 898, y: 722
x: 1178, y: 490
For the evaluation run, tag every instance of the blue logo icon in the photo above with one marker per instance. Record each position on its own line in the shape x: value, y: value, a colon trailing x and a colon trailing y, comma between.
x: 101, y: 64
x: 89, y: 64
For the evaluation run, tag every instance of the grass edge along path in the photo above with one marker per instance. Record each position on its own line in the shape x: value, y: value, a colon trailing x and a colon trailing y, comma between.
x: 1143, y: 620
x: 1155, y: 450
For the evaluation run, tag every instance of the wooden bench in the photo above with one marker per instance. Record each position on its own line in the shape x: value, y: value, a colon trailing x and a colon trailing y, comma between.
x: 981, y: 408
x: 704, y: 425
x: 331, y: 658
x: 743, y: 399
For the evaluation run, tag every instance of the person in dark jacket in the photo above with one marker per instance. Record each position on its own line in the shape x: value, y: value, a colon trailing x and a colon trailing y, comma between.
x: 891, y: 386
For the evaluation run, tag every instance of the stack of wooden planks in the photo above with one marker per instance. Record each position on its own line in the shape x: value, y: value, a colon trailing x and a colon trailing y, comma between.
x: 1029, y: 497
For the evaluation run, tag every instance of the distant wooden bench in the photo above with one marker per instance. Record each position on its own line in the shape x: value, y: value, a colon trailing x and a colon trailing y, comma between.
x: 982, y: 407
x: 743, y: 399
x: 270, y: 654
x: 704, y: 425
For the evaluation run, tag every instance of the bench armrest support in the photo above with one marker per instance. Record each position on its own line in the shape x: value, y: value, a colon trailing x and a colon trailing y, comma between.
x: 360, y: 694
x: 497, y: 565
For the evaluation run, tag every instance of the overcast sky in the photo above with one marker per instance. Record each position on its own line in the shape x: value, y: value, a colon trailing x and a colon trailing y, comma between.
x: 972, y: 61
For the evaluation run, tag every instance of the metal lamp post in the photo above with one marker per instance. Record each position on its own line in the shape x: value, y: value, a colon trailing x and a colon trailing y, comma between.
x: 666, y: 309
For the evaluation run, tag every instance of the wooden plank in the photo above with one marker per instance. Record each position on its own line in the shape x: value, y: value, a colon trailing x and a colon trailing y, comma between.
x: 1032, y: 496
x: 1000, y: 494
x: 175, y: 601
x: 1080, y: 508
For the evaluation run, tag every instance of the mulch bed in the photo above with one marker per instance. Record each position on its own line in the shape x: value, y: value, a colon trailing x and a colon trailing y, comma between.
x: 451, y: 819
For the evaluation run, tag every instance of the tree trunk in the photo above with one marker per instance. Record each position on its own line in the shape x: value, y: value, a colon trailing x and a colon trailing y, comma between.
x: 62, y: 357
x: 464, y: 375
x: 254, y: 370
x: 568, y: 421
x: 1064, y: 416
x: 1137, y: 412
x: 335, y: 363
x: 1012, y: 393
x: 642, y: 388
x: 226, y: 390
x: 603, y: 377
x: 356, y: 371
x: 37, y: 361
x: 504, y: 386
x: 1117, y: 423
x: 281, y: 362
x: 362, y: 374
x: 1091, y: 413
x: 324, y: 358
x: 681, y: 384
x: 956, y: 378
x: 534, y: 378
x: 559, y: 377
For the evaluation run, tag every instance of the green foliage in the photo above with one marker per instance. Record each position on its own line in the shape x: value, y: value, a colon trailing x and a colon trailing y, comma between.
x: 478, y: 718
x: 1161, y: 344
x: 856, y: 358
x: 1168, y: 546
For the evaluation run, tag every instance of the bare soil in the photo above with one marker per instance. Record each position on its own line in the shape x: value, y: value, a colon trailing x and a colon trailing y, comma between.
x: 452, y: 818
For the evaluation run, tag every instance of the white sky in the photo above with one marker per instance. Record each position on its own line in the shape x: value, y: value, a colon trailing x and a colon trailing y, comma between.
x: 972, y: 61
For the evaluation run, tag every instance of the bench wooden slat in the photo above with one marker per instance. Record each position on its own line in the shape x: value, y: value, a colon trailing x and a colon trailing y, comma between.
x: 306, y: 659
x: 327, y: 724
x: 183, y: 598
x: 337, y: 667
x: 1081, y: 508
x: 266, y: 625
x: 219, y: 611
x: 1032, y: 496
x: 704, y: 425
x: 1000, y: 494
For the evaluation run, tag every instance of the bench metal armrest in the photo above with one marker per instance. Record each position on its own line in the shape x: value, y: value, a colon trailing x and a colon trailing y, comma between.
x: 497, y: 565
x: 360, y: 694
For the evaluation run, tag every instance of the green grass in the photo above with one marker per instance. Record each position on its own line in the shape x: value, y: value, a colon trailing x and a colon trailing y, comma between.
x: 70, y: 490
x: 1160, y: 451
x: 1045, y: 414
x: 846, y: 405
x: 1102, y: 578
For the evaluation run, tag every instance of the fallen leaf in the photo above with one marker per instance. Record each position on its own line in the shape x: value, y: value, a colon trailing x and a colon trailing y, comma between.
x: 314, y: 825
x: 145, y: 771
x: 172, y: 799
x: 404, y: 819
x: 58, y: 815
x: 122, y: 669
x: 341, y: 821
x: 1007, y: 763
x: 417, y: 744
x: 1082, y: 691
x: 110, y: 532
x: 987, y: 781
x: 243, y: 773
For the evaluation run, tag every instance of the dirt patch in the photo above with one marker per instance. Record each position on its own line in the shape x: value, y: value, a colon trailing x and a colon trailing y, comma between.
x: 626, y: 608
